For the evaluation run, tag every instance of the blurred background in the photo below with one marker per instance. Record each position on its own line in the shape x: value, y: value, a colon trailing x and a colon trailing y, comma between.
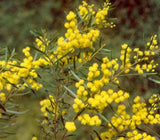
x: 137, y: 21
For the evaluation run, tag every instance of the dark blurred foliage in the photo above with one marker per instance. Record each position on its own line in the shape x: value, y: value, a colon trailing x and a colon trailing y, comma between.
x: 18, y: 17
x: 137, y: 19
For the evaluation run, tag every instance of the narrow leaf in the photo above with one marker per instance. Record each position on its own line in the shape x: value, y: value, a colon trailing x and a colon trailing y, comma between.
x: 4, y: 132
x: 106, y: 50
x: 36, y: 49
x: 76, y: 76
x: 16, y: 112
x: 9, y: 125
x: 71, y: 92
x: 36, y: 33
x: 103, y: 117
x: 154, y: 80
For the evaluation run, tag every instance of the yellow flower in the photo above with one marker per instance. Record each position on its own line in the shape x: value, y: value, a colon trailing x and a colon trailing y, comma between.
x: 34, y: 138
x: 70, y: 126
x: 71, y: 15
x: 2, y: 96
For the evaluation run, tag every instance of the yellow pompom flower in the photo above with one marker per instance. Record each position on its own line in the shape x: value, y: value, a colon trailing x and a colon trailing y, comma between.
x: 71, y: 15
x: 34, y: 138
x: 2, y: 96
x: 70, y: 126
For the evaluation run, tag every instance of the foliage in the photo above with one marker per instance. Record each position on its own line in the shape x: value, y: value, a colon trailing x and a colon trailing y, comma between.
x: 81, y: 82
x: 136, y: 19
x: 19, y: 17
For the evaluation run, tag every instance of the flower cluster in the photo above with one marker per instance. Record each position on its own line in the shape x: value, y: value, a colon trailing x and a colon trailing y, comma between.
x: 143, y: 60
x: 7, y: 75
x: 92, y: 96
x: 98, y: 18
x: 101, y: 101
x: 155, y: 102
x: 42, y: 43
x: 21, y: 74
x: 48, y: 107
x: 122, y: 121
x: 86, y: 11
x: 28, y: 70
x: 98, y: 99
x: 93, y: 72
x: 146, y: 57
x: 138, y: 136
x: 70, y: 126
x: 2, y: 97
x: 76, y: 41
x: 125, y: 57
x: 16, y: 75
x: 78, y: 105
x: 34, y: 138
x: 81, y: 92
x: 108, y: 69
x: 85, y: 119
x: 95, y: 96
x: 77, y: 45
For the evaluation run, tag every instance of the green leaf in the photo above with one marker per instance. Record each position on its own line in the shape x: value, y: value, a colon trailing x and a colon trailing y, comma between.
x: 103, y: 117
x: 154, y: 80
x: 135, y: 74
x: 33, y: 47
x: 61, y: 58
x: 54, y: 38
x: 98, y: 50
x: 79, y: 15
x: 106, y: 50
x: 93, y: 20
x: 53, y: 49
x: 4, y: 132
x: 113, y: 19
x: 12, y: 53
x: 107, y: 121
x: 36, y: 33
x: 25, y: 81
x: 76, y: 76
x: 21, y: 94
x: 9, y: 125
x: 16, y: 112
x: 6, y: 54
x: 17, y: 66
x: 71, y: 92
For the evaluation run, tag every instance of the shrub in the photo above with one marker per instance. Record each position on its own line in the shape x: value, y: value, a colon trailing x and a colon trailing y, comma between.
x: 81, y: 82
